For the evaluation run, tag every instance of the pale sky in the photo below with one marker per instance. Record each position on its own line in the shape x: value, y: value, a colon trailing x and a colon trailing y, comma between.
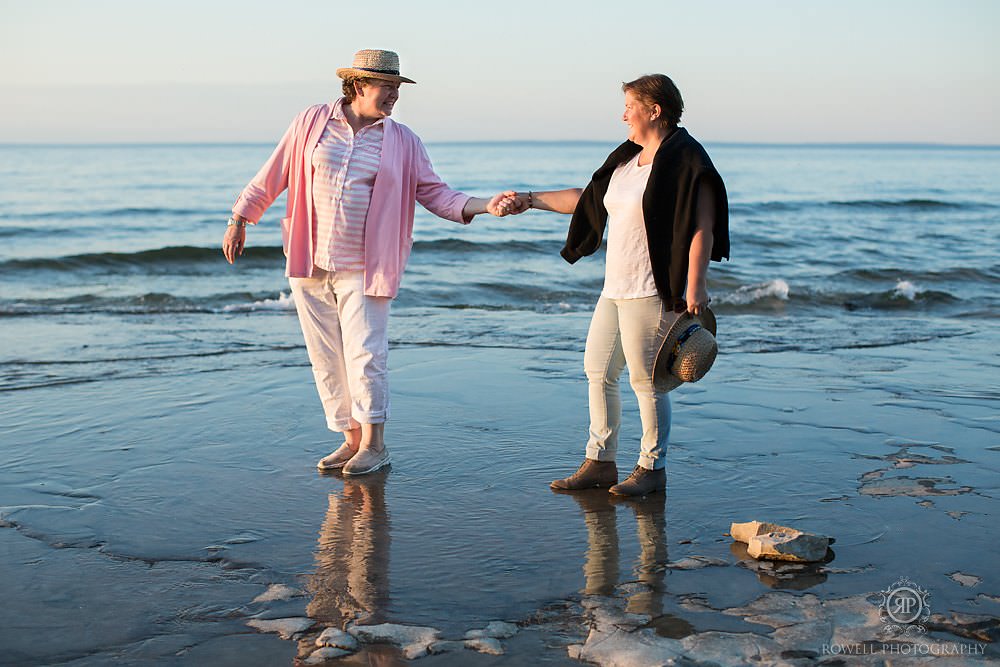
x: 755, y: 71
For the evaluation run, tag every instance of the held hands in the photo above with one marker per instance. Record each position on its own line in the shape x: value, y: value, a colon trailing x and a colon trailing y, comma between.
x: 507, y: 203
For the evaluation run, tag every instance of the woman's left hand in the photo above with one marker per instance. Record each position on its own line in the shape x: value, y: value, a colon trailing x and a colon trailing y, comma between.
x: 697, y: 298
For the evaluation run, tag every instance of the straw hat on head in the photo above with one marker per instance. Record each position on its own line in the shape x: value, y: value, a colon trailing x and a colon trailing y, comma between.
x: 687, y: 352
x: 375, y: 64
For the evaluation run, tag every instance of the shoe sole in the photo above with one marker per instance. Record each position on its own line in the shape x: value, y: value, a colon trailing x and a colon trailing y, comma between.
x: 635, y: 495
x: 377, y: 466
x: 581, y: 488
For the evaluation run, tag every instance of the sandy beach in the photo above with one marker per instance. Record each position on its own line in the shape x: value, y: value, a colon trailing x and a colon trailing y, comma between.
x: 163, y: 518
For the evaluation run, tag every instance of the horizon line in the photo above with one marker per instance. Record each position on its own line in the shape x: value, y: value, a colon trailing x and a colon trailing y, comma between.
x: 763, y: 144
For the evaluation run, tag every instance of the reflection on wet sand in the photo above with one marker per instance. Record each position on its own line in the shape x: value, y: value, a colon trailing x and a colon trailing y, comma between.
x: 351, y: 581
x: 601, y: 562
x: 601, y: 567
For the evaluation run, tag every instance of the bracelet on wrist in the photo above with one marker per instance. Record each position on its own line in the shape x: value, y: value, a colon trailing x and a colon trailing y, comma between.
x: 233, y: 222
x: 531, y: 202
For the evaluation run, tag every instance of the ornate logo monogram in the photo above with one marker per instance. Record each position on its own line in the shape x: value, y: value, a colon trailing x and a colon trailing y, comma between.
x: 903, y: 608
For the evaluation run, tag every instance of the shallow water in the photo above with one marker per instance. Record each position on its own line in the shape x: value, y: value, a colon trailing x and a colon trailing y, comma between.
x: 159, y: 424
x: 181, y: 502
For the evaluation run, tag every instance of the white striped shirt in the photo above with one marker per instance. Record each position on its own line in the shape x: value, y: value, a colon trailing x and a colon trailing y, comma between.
x: 344, y: 169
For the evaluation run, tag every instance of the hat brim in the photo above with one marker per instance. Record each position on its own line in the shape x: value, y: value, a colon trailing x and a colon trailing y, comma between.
x: 663, y: 378
x: 345, y: 72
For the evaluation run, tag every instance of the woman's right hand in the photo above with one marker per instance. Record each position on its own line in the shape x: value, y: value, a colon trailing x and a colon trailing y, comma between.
x: 233, y: 242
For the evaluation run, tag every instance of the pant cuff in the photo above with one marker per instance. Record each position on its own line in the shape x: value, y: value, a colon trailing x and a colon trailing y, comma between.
x: 652, y: 464
x: 377, y: 417
x: 341, y: 425
x: 600, y: 454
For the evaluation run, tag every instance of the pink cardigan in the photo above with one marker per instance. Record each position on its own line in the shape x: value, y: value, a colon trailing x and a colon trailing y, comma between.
x: 405, y: 176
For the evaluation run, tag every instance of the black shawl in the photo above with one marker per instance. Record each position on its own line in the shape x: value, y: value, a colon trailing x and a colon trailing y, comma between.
x: 679, y: 168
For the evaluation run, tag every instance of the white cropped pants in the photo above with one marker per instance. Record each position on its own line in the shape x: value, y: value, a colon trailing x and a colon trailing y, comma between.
x: 627, y: 332
x: 347, y: 338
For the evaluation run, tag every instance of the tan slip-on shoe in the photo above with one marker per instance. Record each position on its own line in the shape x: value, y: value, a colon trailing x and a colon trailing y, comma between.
x: 366, y: 461
x: 641, y: 482
x: 591, y: 475
x: 337, y: 459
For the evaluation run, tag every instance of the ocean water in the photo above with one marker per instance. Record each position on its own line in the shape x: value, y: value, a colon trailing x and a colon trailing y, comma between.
x: 158, y: 423
x: 110, y: 263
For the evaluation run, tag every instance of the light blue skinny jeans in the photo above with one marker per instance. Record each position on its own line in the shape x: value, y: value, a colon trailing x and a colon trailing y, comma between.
x: 627, y: 332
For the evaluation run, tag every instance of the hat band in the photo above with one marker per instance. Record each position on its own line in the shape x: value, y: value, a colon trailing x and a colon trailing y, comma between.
x: 680, y: 341
x: 394, y: 72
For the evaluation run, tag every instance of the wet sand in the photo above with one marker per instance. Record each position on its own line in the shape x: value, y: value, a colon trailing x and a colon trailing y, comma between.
x: 142, y: 518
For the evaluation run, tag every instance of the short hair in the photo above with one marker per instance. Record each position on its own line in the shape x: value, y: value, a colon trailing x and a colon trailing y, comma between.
x: 348, y: 86
x: 658, y: 89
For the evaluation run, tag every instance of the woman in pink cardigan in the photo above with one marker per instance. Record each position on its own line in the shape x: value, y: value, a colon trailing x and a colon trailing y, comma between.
x: 353, y: 178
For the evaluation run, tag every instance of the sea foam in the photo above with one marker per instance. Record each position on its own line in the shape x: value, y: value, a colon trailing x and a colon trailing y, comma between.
x: 774, y: 289
x: 906, y: 289
x: 283, y: 302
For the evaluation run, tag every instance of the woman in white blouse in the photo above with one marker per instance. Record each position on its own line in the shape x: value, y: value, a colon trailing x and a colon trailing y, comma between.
x: 666, y: 211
